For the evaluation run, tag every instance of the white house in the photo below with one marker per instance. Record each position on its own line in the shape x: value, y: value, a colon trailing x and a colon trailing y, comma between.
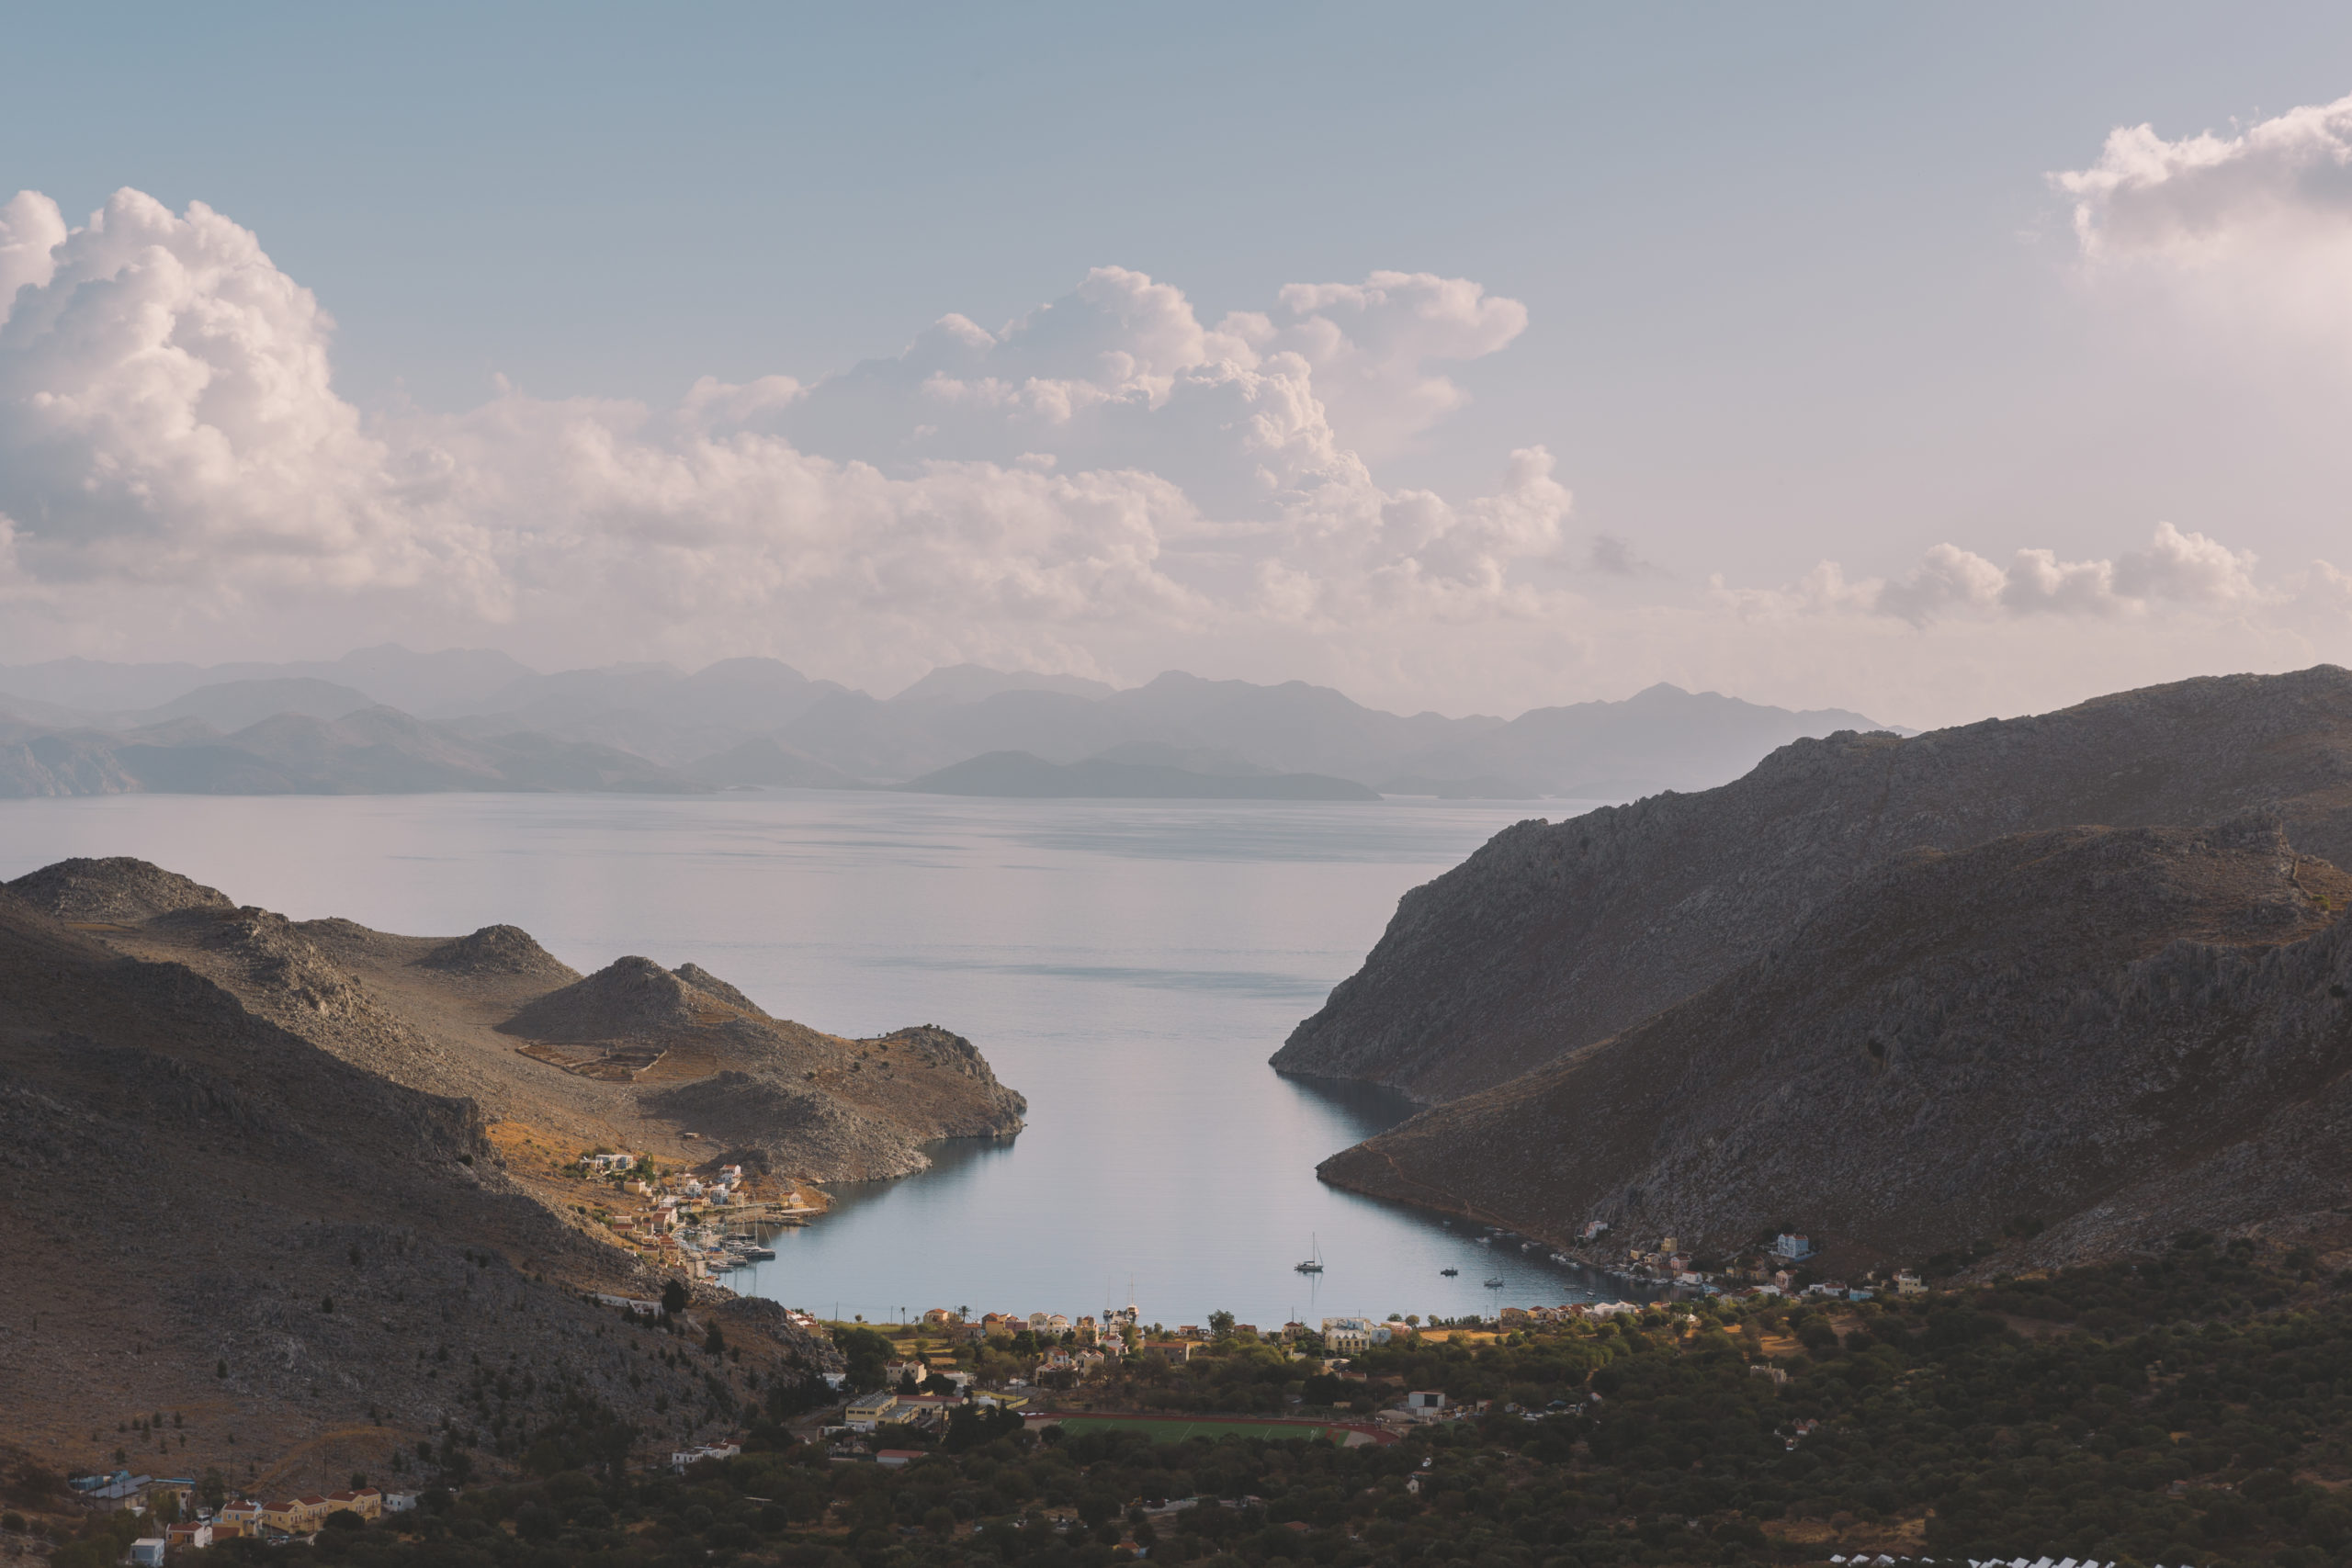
x: 1793, y: 1246
x: 684, y: 1457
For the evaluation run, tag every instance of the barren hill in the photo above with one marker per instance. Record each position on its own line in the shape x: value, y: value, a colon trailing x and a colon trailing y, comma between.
x: 493, y: 1019
x: 302, y: 1182
x: 218, y: 1207
x: 2120, y: 1034
x: 1555, y: 935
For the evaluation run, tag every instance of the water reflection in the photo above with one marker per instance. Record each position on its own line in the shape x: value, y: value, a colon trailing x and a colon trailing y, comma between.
x: 1370, y: 1109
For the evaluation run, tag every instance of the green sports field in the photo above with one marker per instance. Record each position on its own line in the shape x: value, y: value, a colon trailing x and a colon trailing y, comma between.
x: 1178, y: 1431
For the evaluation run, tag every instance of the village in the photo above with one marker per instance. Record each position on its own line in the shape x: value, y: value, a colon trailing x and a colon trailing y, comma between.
x: 909, y: 1382
x: 1780, y: 1264
x: 687, y: 1224
x: 1025, y: 1366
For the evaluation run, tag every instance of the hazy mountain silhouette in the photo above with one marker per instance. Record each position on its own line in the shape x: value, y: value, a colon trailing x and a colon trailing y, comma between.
x: 81, y: 726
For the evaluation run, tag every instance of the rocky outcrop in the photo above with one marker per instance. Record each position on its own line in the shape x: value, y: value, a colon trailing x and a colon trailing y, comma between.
x: 703, y: 980
x: 706, y: 1058
x: 629, y: 999
x: 1555, y: 935
x: 499, y: 950
x: 2104, y: 1036
x: 114, y: 891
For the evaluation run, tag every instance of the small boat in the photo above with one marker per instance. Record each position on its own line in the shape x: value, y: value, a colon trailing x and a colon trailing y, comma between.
x: 1496, y: 1283
x: 760, y: 1254
x: 1484, y: 1240
x: 1449, y: 1273
x: 1314, y: 1264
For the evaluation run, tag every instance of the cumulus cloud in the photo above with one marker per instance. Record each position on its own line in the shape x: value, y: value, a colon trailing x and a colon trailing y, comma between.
x: 166, y: 413
x: 2176, y: 571
x: 2257, y: 223
x: 1107, y: 483
x: 168, y: 424
x: 31, y: 229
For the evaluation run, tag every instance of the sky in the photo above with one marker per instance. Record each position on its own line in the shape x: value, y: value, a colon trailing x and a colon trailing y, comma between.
x: 1928, y: 363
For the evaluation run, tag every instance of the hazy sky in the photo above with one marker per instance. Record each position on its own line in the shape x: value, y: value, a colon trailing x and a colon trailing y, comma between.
x: 1464, y: 358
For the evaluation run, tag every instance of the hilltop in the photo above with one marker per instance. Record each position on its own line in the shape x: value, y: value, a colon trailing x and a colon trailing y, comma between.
x: 1556, y: 935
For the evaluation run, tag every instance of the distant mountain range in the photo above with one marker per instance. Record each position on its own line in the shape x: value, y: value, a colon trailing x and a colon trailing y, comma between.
x: 1018, y: 775
x: 386, y: 719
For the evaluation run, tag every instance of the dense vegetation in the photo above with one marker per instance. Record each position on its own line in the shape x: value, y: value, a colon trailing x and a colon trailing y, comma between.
x: 2193, y: 1408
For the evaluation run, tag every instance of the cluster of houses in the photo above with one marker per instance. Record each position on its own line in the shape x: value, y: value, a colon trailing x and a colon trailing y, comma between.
x: 1774, y: 1270
x: 279, y: 1520
x: 681, y: 1220
x: 1082, y: 1344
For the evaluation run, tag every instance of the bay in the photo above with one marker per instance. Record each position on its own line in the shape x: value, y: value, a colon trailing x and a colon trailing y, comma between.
x: 1126, y: 965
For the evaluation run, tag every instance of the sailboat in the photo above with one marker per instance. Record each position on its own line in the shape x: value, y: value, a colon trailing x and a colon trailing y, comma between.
x: 1314, y: 1265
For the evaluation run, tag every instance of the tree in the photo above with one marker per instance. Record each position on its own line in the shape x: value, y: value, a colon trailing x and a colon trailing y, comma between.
x: 1220, y: 1324
x: 714, y: 1343
x: 213, y: 1489
x: 675, y: 1297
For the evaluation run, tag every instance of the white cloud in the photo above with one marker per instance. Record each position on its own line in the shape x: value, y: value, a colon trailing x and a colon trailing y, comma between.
x: 1103, y: 465
x: 1368, y: 346
x: 1106, y: 484
x: 165, y: 413
x: 2176, y: 570
x: 30, y: 231
x: 2256, y: 225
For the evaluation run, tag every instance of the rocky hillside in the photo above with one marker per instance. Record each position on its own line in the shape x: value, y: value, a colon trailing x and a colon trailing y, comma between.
x: 670, y: 1062
x: 2115, y: 1033
x: 1556, y: 935
x: 236, y: 1241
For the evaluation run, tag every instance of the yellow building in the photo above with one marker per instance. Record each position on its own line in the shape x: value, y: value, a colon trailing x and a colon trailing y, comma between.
x: 365, y: 1501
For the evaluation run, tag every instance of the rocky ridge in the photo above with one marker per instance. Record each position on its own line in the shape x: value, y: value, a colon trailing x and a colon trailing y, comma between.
x: 489, y: 1019
x: 2097, y: 1036
x: 1556, y: 935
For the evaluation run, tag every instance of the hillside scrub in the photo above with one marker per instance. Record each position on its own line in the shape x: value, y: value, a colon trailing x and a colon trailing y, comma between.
x: 2188, y: 1408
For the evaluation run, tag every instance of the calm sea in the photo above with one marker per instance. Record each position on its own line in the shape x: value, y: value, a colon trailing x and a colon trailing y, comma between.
x: 1128, y: 965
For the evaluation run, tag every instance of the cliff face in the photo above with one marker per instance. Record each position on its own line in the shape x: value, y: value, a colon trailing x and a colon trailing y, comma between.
x: 2121, y: 1033
x: 1555, y: 935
